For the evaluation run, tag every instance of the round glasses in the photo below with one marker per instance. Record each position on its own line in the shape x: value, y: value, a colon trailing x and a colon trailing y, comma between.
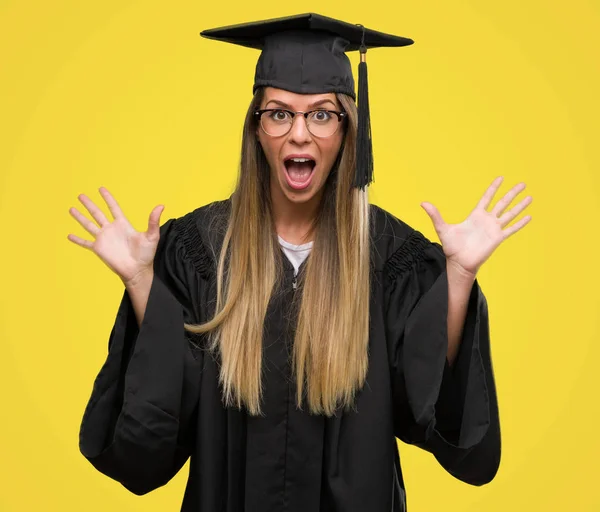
x: 320, y: 123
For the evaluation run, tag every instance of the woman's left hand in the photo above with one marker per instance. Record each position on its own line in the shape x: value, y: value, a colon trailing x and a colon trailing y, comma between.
x: 469, y: 244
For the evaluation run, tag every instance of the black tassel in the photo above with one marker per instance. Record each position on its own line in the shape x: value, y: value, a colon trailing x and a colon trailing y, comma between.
x: 364, y: 145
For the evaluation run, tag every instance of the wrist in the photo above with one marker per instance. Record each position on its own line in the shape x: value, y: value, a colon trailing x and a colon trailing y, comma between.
x: 458, y: 273
x: 142, y: 278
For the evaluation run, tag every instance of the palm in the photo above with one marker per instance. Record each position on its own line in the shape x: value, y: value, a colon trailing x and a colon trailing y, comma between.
x: 124, y: 250
x: 470, y: 243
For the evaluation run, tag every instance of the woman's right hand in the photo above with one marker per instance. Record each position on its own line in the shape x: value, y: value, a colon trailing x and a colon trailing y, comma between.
x: 127, y: 252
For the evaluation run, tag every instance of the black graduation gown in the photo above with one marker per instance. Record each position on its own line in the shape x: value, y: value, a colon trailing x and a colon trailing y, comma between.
x: 156, y: 400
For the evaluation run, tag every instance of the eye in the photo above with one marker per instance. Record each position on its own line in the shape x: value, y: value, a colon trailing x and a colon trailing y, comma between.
x: 321, y: 116
x: 279, y: 115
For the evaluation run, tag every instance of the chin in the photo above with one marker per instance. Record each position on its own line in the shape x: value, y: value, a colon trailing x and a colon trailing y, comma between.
x: 301, y: 196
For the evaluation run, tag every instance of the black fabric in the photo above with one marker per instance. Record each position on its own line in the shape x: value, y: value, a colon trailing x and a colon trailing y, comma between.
x: 363, y: 172
x: 156, y: 400
x: 304, y: 53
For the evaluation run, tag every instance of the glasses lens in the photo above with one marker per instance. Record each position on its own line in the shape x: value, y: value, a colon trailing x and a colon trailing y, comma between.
x: 322, y: 123
x: 276, y: 122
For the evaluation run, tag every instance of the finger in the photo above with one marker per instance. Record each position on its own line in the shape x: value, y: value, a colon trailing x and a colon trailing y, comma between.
x: 80, y: 241
x: 89, y: 226
x: 113, y: 206
x: 486, y: 199
x: 514, y: 211
x: 154, y: 221
x: 516, y: 226
x: 95, y: 212
x: 507, y: 199
x: 436, y: 216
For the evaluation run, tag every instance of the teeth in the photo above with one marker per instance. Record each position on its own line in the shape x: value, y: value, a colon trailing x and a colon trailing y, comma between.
x: 300, y: 160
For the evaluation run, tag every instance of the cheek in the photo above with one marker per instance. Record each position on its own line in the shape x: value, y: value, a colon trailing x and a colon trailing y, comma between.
x: 331, y: 150
x: 269, y: 147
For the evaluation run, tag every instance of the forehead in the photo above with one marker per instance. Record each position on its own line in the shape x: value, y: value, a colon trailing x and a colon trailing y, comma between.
x: 297, y: 101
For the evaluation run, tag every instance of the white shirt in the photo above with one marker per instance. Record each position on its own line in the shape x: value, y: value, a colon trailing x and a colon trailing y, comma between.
x: 295, y: 253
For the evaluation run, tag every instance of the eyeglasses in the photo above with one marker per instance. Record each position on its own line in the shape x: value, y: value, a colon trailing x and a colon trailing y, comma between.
x: 320, y: 123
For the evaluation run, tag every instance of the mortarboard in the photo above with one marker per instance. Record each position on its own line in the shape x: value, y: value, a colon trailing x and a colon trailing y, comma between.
x: 305, y: 54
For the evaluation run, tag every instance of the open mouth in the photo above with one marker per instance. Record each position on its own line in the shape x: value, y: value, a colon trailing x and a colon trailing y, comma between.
x: 299, y: 171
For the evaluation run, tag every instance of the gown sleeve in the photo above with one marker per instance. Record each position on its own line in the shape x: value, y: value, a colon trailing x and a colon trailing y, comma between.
x: 138, y: 424
x: 451, y: 412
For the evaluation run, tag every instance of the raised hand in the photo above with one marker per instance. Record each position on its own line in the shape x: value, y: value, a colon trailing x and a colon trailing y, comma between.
x: 470, y: 243
x: 127, y: 252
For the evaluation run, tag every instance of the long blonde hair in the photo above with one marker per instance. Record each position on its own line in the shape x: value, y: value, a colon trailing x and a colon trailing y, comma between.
x: 330, y: 350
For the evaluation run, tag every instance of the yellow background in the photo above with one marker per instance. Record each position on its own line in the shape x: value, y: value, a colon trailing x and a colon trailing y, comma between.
x: 126, y: 95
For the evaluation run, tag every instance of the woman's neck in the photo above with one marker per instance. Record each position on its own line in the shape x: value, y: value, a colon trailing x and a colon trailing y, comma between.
x: 294, y: 221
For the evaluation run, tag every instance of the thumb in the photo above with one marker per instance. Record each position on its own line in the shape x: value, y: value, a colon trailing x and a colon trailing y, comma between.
x: 154, y: 222
x: 434, y: 214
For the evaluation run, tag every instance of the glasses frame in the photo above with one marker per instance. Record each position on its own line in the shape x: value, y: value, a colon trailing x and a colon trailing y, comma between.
x: 340, y: 117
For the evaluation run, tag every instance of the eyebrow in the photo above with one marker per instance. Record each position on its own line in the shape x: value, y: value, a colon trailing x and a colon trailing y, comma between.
x: 315, y: 104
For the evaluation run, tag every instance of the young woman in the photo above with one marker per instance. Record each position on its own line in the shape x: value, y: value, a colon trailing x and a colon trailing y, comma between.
x: 282, y: 339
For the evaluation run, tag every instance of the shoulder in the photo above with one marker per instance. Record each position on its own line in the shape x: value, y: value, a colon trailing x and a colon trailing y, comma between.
x: 197, y: 233
x: 205, y: 222
x: 396, y: 246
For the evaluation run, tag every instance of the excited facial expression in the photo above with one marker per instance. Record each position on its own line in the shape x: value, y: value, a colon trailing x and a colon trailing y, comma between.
x: 299, y: 161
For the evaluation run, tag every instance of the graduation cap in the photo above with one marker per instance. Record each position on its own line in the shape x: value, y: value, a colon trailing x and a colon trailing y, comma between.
x: 305, y: 54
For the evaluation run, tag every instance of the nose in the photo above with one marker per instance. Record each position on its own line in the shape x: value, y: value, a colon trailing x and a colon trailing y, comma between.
x: 299, y: 131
